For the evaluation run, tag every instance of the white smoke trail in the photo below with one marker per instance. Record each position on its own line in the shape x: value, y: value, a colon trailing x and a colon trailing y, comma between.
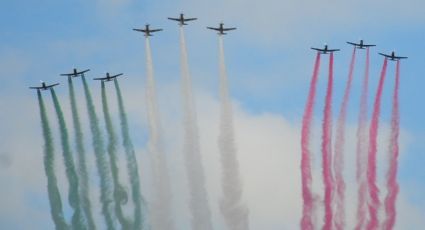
x: 232, y: 208
x: 198, y: 203
x: 161, y: 215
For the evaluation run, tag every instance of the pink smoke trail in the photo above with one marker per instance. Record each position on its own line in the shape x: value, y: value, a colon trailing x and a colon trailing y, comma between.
x: 339, y: 150
x: 361, y: 151
x: 392, y: 185
x: 327, y: 148
x: 374, y: 202
x: 306, y: 220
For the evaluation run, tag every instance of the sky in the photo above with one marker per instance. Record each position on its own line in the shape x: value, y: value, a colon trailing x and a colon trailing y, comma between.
x: 269, y: 64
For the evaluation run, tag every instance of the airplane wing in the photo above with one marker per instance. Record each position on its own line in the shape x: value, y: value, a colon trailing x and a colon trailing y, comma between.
x: 66, y: 74
x: 35, y: 87
x: 189, y: 19
x: 212, y: 28
x: 333, y: 50
x: 175, y: 19
x: 100, y: 78
x: 368, y: 45
x: 117, y: 75
x: 156, y: 30
x: 401, y: 57
x: 52, y: 85
x: 321, y: 50
x: 84, y: 71
x: 227, y: 29
x: 140, y: 30
x: 385, y: 55
x: 354, y: 44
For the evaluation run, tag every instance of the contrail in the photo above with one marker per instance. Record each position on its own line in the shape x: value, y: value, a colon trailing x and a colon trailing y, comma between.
x: 327, y: 149
x: 374, y: 202
x: 49, y: 158
x: 77, y: 221
x: 198, y: 203
x: 106, y: 192
x: 138, y: 200
x: 120, y: 195
x: 361, y: 150
x: 81, y: 156
x: 161, y: 204
x: 306, y: 220
x: 232, y: 208
x: 392, y: 185
x: 339, y: 151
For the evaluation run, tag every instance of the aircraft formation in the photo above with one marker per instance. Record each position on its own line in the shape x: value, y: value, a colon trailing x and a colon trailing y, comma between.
x: 221, y: 31
x: 148, y: 32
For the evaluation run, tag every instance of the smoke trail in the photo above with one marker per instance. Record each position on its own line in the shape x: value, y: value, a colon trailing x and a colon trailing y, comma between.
x: 82, y: 166
x: 306, y: 220
x: 52, y: 187
x: 136, y: 194
x: 392, y: 185
x: 73, y: 193
x: 339, y: 150
x: 200, y: 210
x: 161, y: 205
x: 120, y: 195
x: 326, y: 149
x: 374, y: 202
x: 361, y: 150
x: 232, y: 208
x: 102, y: 163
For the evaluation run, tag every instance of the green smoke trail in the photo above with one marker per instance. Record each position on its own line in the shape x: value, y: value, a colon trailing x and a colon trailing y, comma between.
x: 120, y: 195
x: 73, y: 193
x: 81, y: 156
x: 136, y: 194
x: 52, y: 187
x: 101, y: 161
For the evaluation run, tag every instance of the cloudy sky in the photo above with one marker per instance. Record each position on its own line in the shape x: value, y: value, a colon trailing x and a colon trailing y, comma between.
x: 269, y: 65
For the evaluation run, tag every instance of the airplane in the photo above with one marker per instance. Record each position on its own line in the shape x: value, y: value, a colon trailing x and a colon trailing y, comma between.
x: 392, y: 57
x: 182, y: 20
x: 221, y: 29
x: 43, y: 86
x: 360, y: 45
x: 325, y: 50
x: 75, y: 73
x: 147, y: 31
x: 108, y: 77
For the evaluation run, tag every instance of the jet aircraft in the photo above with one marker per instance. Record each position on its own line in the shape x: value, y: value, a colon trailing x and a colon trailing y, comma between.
x: 147, y: 30
x: 392, y: 57
x: 108, y: 77
x: 325, y: 50
x: 360, y: 45
x: 221, y: 29
x: 182, y: 20
x: 44, y: 86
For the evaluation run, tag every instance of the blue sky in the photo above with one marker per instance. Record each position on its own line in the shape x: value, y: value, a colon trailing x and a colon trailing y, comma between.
x: 268, y: 59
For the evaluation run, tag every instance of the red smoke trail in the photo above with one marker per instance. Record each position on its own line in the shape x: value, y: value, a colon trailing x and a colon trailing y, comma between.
x: 306, y: 220
x: 371, y: 164
x: 392, y: 185
x: 339, y: 151
x: 327, y: 148
x: 361, y: 151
